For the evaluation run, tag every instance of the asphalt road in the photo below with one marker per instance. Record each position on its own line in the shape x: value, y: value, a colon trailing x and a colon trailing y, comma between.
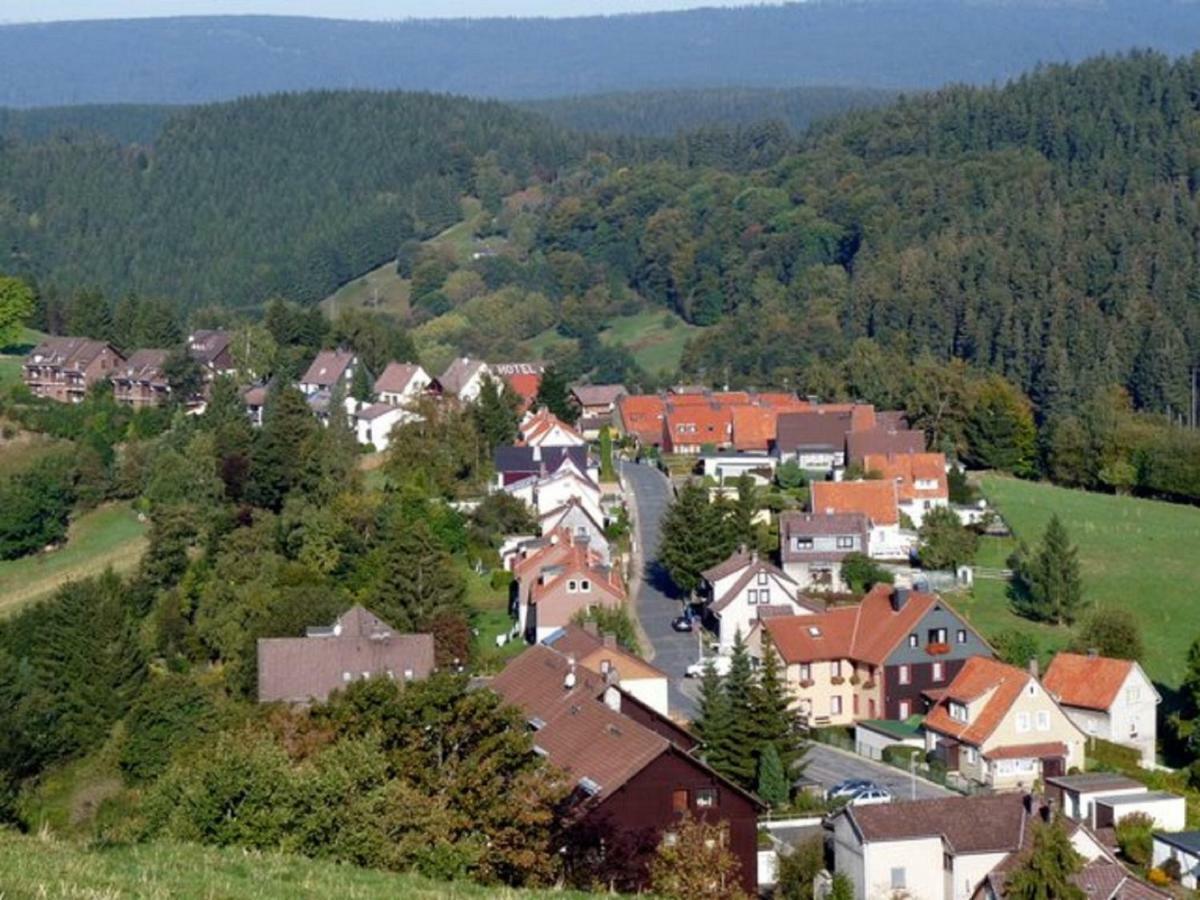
x: 654, y: 604
x: 829, y: 766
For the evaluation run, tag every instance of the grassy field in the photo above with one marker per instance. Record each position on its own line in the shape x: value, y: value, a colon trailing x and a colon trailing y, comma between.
x: 108, y: 536
x: 10, y: 370
x: 491, y: 619
x: 655, y: 338
x: 33, y: 867
x: 1138, y: 554
x: 380, y: 290
x: 24, y: 449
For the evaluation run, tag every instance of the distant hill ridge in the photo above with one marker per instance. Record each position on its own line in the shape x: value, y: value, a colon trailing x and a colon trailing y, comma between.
x: 877, y: 43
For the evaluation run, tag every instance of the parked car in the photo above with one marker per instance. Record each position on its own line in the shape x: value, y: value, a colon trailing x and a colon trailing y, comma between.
x: 849, y: 788
x: 682, y: 623
x: 720, y: 663
x: 871, y: 796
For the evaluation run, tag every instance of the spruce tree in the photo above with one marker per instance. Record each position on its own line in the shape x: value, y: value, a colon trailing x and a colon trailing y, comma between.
x: 692, y: 538
x: 1046, y: 873
x: 555, y: 394
x: 277, y: 461
x: 740, y: 692
x: 745, y: 508
x: 495, y: 415
x: 1047, y: 586
x: 772, y: 783
x: 774, y: 721
x: 417, y: 579
x: 360, y: 384
x: 712, y: 723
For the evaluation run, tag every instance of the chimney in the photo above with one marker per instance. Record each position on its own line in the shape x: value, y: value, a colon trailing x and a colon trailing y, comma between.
x: 899, y: 598
x: 1033, y: 667
x: 612, y: 698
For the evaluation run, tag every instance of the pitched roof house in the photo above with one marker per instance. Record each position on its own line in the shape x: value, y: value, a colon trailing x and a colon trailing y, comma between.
x: 560, y: 582
x: 689, y: 427
x: 597, y: 399
x: 641, y: 417
x: 329, y: 369
x: 63, y: 368
x: 920, y: 478
x: 373, y: 424
x: 141, y: 381
x: 882, y: 440
x: 463, y: 379
x: 812, y: 546
x: 996, y: 725
x: 573, y: 517
x: 401, y: 383
x: 632, y: 770
x: 544, y: 429
x: 1108, y: 698
x: 601, y: 655
x: 515, y: 464
x: 879, y: 502
x: 815, y: 439
x: 874, y: 659
x: 357, y: 646
x: 746, y: 588
x: 211, y: 349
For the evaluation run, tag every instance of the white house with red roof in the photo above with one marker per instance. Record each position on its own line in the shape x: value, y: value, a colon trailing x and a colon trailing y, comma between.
x: 746, y: 588
x: 879, y: 501
x: 544, y: 429
x: 1107, y: 698
x: 920, y: 478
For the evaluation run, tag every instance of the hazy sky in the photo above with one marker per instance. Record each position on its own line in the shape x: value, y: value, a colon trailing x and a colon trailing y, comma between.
x: 49, y: 10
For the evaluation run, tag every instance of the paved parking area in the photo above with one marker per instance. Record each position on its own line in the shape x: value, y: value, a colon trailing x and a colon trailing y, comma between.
x: 828, y: 766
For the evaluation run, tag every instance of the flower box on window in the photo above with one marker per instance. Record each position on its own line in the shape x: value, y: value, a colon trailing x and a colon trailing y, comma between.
x: 837, y: 679
x: 854, y: 679
x: 937, y: 649
x: 870, y: 685
x: 806, y: 683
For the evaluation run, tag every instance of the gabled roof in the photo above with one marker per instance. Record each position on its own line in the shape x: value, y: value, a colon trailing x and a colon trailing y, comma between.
x: 698, y: 423
x: 598, y: 394
x: 205, y: 345
x: 459, y: 374
x: 753, y: 427
x: 535, y: 459
x: 817, y: 429
x: 143, y: 365
x: 867, y: 632
x: 756, y: 565
x: 877, y: 500
x: 727, y: 567
x: 882, y: 440
x: 328, y: 368
x: 554, y: 516
x: 541, y: 423
x: 793, y: 524
x: 906, y: 469
x: 1089, y: 682
x: 377, y: 411
x: 68, y: 352
x: 396, y: 377
x: 642, y: 415
x: 977, y: 677
x: 591, y: 651
x: 993, y: 823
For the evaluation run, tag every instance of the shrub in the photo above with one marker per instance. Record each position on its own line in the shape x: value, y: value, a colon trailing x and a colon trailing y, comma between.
x: 902, y: 755
x: 171, y: 713
x: 1134, y: 837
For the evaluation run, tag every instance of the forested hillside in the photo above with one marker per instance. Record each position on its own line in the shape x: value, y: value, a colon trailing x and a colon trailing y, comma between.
x: 127, y: 124
x: 665, y: 113
x: 875, y: 43
x: 1047, y: 231
x: 288, y: 195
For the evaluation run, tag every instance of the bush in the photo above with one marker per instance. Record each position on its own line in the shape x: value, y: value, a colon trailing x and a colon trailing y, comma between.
x: 1135, y: 838
x: 500, y: 579
x: 171, y: 713
x: 901, y: 755
x: 862, y: 573
x: 1016, y: 648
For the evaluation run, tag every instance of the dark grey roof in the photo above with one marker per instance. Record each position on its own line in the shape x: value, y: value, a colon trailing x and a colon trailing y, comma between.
x: 812, y: 431
x: 521, y: 459
x: 1188, y: 841
x: 1091, y: 782
x: 882, y: 441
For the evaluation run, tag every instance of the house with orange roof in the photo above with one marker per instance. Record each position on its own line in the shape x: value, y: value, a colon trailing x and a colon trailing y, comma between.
x: 1107, y: 698
x: 998, y: 726
x: 879, y: 501
x: 544, y: 429
x: 876, y: 659
x: 689, y: 428
x: 641, y: 416
x: 921, y: 482
x: 753, y: 428
x: 560, y: 581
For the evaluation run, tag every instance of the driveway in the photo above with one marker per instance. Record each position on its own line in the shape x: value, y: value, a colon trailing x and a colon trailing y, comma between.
x: 654, y: 600
x: 829, y: 765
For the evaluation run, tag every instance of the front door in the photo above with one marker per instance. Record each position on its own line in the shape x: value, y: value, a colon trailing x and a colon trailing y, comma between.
x: 1053, y: 767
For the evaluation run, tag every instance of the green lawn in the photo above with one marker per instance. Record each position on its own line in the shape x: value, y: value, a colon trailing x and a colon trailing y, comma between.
x: 52, y: 869
x: 10, y: 370
x: 490, y: 606
x: 108, y: 536
x: 1138, y: 554
x: 654, y: 337
x: 380, y: 290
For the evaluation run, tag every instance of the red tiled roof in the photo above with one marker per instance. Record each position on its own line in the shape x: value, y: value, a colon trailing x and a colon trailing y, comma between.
x: 1090, y: 682
x: 328, y: 367
x: 642, y: 416
x: 753, y: 427
x: 693, y: 424
x: 877, y: 500
x: 525, y: 385
x: 906, y: 469
x: 1027, y: 751
x: 977, y: 677
x: 591, y: 651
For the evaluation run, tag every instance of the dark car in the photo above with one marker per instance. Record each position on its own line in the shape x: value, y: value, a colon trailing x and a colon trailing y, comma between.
x: 682, y: 623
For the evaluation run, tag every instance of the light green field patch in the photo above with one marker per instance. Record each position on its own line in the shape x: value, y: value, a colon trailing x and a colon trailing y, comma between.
x: 656, y: 339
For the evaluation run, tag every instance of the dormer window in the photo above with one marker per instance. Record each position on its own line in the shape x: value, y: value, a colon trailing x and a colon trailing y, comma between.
x: 958, y: 711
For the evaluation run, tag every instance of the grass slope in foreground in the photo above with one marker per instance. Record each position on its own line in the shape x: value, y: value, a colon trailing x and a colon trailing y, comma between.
x: 108, y: 536
x: 35, y: 867
x: 1133, y: 553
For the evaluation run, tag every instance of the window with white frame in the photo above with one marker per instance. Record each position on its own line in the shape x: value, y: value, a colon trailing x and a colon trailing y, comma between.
x: 903, y: 675
x: 835, y: 706
x: 706, y: 798
x: 845, y: 542
x: 835, y: 668
x: 805, y: 672
x: 752, y: 597
x: 804, y: 543
x: 572, y: 586
x: 1022, y: 722
x: 962, y: 635
x: 972, y: 755
x: 585, y: 585
x: 939, y: 671
x: 1043, y: 720
x: 762, y: 578
x: 958, y: 711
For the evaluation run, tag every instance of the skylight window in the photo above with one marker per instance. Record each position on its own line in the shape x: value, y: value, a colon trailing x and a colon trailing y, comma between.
x: 588, y: 786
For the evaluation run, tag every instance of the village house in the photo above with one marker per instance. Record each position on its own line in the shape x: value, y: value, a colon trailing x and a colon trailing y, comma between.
x: 560, y: 581
x: 373, y: 424
x: 359, y: 645
x: 727, y: 468
x: 573, y: 517
x: 745, y: 589
x: 63, y: 368
x: 331, y: 369
x: 597, y: 404
x: 641, y: 418
x: 633, y: 772
x: 882, y: 440
x: 690, y: 428
x: 873, y: 660
x: 140, y: 381
x: 997, y: 726
x: 542, y: 493
x: 211, y: 350
x: 401, y: 384
x: 1102, y: 799
x: 813, y: 545
x: 463, y: 379
x: 600, y: 654
x: 254, y: 398
x: 879, y: 502
x: 815, y: 438
x: 920, y: 478
x: 515, y: 464
x: 1112, y: 699
x: 544, y: 429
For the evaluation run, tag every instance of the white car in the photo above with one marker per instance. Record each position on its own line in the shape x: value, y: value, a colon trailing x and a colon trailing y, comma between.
x: 720, y: 663
x: 871, y: 797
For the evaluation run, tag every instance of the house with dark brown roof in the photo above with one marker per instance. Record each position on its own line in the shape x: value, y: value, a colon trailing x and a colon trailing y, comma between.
x: 463, y: 379
x: 872, y: 660
x: 632, y: 770
x: 1108, y: 698
x: 998, y: 726
x: 815, y: 439
x: 211, y: 349
x: 359, y: 645
x: 812, y: 546
x: 330, y: 369
x: 746, y: 588
x: 141, y: 381
x: 63, y: 368
x: 882, y: 441
x: 401, y: 383
x: 600, y: 654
